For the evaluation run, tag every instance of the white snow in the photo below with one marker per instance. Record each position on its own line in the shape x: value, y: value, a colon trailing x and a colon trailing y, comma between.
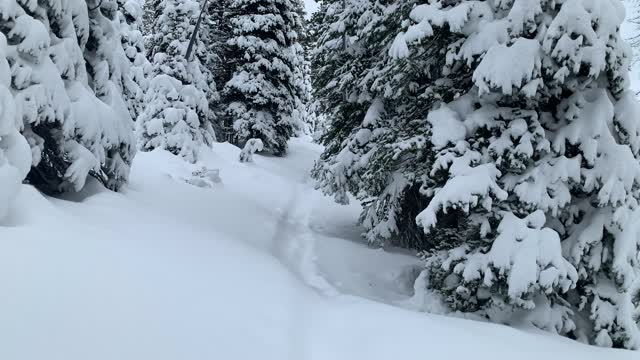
x: 523, y: 60
x: 251, y: 147
x: 259, y: 266
x: 446, y: 127
x: 310, y: 7
x: 527, y: 252
x: 15, y: 161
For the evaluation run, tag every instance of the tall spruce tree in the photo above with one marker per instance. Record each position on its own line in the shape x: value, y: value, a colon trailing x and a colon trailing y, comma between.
x: 502, y: 141
x: 222, y: 62
x: 374, y: 106
x: 308, y: 111
x: 73, y: 114
x: 135, y: 82
x: 265, y: 92
x: 177, y: 115
x: 108, y: 71
x: 336, y: 64
x: 308, y: 124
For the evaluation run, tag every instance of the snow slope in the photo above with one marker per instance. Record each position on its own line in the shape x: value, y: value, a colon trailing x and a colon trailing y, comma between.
x: 259, y: 266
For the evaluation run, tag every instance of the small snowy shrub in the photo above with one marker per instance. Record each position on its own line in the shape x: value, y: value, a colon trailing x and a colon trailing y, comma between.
x: 251, y: 147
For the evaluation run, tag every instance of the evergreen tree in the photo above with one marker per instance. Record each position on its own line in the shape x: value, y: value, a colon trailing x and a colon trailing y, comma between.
x: 304, y: 110
x: 336, y: 63
x: 135, y: 82
x: 308, y: 111
x: 178, y: 115
x: 308, y: 107
x: 374, y: 108
x: 263, y: 96
x: 15, y: 154
x: 502, y: 141
x: 222, y: 61
x: 77, y: 125
x: 149, y: 14
x: 108, y: 72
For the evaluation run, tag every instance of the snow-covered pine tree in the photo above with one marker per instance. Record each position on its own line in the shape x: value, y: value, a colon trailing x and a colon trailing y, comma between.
x: 405, y: 90
x: 108, y: 70
x: 503, y: 129
x: 374, y: 108
x: 308, y: 113
x: 309, y: 116
x: 207, y: 54
x: 15, y: 154
x: 221, y: 61
x: 75, y: 126
x: 263, y: 96
x: 337, y: 61
x: 149, y: 13
x: 177, y: 116
x: 136, y: 81
x: 301, y: 74
x: 538, y: 161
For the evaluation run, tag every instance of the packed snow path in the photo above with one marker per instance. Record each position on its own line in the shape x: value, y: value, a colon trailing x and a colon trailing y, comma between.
x: 259, y: 266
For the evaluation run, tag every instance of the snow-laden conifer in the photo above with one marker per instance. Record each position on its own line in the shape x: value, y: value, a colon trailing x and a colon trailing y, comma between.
x: 541, y: 158
x: 339, y: 57
x: 372, y: 102
x: 15, y: 155
x: 505, y: 133
x: 220, y: 62
x: 177, y: 115
x: 136, y: 81
x: 264, y: 95
x: 64, y: 65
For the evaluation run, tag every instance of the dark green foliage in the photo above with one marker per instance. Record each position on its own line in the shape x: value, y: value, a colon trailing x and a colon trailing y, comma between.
x: 349, y: 75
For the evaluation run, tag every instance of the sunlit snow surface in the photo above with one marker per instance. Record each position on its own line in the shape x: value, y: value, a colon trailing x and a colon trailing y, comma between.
x: 259, y: 266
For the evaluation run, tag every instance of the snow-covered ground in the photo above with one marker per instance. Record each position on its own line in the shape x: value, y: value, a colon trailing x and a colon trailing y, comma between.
x: 259, y: 266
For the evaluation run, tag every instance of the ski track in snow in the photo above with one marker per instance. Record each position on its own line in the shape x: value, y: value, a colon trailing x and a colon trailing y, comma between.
x: 294, y: 241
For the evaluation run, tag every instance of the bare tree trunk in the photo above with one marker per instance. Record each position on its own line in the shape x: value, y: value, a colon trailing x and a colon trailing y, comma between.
x: 195, y: 31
